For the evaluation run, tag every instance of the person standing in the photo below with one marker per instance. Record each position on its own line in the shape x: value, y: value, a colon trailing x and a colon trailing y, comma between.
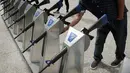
x: 117, y: 15
x: 116, y: 12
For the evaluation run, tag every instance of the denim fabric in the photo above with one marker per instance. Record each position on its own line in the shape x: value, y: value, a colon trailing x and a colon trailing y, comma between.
x: 119, y: 31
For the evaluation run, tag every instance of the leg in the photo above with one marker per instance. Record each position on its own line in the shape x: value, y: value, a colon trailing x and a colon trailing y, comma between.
x: 57, y: 5
x: 102, y: 33
x: 120, y: 36
x: 60, y: 5
x: 67, y: 5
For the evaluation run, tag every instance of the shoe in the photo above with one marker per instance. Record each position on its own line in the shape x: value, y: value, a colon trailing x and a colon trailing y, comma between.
x: 115, y: 63
x: 94, y: 64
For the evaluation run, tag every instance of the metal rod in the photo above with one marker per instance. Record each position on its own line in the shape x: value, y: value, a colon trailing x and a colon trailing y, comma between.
x: 43, y: 45
x: 12, y: 15
x: 24, y: 59
x: 8, y: 10
x: 36, y: 41
x: 102, y: 21
x: 55, y: 58
x: 12, y: 24
x: 5, y: 7
x: 44, y: 2
x: 3, y: 2
x: 17, y: 20
x: 28, y: 27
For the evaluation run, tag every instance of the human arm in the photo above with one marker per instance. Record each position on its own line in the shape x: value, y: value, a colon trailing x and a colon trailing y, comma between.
x: 120, y: 5
x: 74, y: 21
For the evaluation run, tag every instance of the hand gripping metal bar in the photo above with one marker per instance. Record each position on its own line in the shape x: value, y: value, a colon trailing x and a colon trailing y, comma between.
x: 65, y: 22
x: 47, y: 11
x: 35, y: 41
x: 74, y: 11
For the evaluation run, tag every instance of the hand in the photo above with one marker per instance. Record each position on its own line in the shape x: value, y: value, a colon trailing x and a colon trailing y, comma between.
x: 118, y: 21
x: 120, y: 18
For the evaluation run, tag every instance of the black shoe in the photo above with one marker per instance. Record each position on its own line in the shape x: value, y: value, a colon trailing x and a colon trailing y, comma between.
x: 115, y: 63
x: 94, y: 64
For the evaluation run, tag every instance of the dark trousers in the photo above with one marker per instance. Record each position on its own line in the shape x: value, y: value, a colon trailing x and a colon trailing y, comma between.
x: 66, y: 3
x: 119, y: 31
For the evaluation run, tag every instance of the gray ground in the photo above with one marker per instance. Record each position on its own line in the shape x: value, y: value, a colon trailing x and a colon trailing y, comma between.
x: 12, y: 62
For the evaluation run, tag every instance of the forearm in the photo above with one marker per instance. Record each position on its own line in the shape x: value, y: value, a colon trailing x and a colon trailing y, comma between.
x: 121, y: 8
x: 75, y: 21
